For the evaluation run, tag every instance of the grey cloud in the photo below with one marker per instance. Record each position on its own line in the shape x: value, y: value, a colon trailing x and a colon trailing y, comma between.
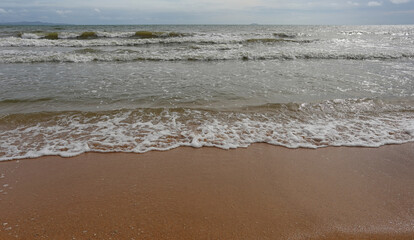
x: 399, y: 1
x: 374, y: 4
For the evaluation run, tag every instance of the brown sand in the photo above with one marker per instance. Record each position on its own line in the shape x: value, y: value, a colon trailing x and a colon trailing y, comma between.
x: 262, y: 192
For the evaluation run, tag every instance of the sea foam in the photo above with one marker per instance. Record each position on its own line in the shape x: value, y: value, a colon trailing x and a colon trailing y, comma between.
x: 331, y: 123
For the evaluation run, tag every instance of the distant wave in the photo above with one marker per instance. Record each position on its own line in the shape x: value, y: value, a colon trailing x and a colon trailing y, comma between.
x: 104, y: 34
x: 129, y: 55
x: 25, y: 100
x: 176, y: 46
x: 132, y: 41
x: 98, y: 34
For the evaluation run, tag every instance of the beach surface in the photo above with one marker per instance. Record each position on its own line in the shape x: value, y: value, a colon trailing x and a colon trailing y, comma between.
x: 259, y: 192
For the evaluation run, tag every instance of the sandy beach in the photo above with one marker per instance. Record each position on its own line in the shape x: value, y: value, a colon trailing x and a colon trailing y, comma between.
x: 261, y: 192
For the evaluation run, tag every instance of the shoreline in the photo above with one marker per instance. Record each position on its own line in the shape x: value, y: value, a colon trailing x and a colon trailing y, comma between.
x: 260, y: 192
x: 201, y: 147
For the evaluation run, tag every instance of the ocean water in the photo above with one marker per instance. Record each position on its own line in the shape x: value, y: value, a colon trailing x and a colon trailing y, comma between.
x: 65, y: 90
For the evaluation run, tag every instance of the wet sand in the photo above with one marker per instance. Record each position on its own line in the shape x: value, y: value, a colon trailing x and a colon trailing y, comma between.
x: 262, y: 192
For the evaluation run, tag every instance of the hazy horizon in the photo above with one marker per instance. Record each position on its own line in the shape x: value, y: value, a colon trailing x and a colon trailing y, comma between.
x: 39, y: 23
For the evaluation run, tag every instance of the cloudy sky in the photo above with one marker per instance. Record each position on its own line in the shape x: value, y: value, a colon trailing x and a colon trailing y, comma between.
x: 209, y: 11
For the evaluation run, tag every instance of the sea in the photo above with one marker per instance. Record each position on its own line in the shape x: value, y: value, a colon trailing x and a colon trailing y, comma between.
x: 66, y: 90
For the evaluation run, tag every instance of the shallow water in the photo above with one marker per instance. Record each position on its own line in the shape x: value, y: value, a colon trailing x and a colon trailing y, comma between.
x: 224, y: 86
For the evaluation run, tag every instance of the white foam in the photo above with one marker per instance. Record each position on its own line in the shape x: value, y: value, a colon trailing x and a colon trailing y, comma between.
x: 30, y: 36
x: 338, y: 123
x: 115, y: 34
x: 204, y: 54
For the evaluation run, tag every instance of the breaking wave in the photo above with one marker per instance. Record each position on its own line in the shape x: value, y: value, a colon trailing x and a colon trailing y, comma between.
x: 341, y: 122
x: 98, y: 34
x: 195, y: 46
x: 94, y: 41
x: 220, y: 53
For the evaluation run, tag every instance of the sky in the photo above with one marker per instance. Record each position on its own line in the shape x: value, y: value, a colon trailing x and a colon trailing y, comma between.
x: 209, y: 11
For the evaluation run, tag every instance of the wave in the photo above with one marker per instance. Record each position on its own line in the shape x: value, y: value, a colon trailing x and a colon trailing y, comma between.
x: 88, y: 51
x: 341, y: 122
x: 275, y: 40
x: 25, y: 100
x: 15, y: 42
x: 285, y: 35
x: 218, y: 53
x: 137, y: 34
x: 98, y: 34
x: 390, y: 33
